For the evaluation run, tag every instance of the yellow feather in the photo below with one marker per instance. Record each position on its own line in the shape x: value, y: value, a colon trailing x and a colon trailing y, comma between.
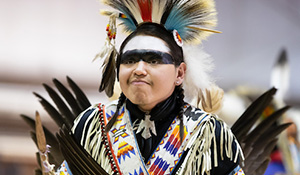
x: 211, y: 102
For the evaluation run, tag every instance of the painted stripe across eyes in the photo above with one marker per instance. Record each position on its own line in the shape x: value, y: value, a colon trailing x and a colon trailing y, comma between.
x: 148, y: 56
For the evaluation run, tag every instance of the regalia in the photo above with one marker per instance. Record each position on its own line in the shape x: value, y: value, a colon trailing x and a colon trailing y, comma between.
x: 100, y: 139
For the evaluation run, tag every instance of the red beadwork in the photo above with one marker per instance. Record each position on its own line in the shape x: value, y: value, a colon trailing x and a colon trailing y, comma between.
x: 105, y: 142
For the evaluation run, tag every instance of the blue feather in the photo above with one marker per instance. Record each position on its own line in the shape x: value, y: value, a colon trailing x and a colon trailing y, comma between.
x: 176, y: 20
x: 128, y: 24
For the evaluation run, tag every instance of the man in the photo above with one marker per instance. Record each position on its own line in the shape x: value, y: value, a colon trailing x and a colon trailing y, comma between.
x: 151, y: 129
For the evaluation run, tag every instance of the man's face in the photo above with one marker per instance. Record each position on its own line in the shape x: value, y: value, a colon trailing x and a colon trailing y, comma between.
x: 147, y: 72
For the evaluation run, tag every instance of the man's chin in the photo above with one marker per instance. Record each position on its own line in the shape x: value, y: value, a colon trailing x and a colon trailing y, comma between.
x: 139, y: 100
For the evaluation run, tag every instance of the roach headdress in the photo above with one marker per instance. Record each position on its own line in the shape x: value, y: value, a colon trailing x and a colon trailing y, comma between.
x: 190, y: 21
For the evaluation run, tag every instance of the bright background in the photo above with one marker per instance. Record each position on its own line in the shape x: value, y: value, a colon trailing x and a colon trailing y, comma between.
x: 43, y: 39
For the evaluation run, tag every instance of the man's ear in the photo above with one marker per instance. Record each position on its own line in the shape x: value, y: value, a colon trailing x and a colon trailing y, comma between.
x: 180, y: 73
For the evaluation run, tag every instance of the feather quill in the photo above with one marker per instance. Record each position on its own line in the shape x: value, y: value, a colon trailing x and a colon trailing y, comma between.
x: 47, y: 168
x: 52, y: 159
x: 51, y: 140
x: 41, y: 140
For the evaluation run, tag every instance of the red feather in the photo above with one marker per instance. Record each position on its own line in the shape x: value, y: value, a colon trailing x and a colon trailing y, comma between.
x: 146, y: 10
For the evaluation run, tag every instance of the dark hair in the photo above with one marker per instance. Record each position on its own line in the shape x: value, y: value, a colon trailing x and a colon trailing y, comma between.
x: 180, y: 102
x: 159, y: 31
x: 111, y: 122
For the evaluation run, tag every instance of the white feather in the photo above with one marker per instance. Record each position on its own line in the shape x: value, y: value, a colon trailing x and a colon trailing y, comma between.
x: 158, y: 8
x: 135, y: 10
x: 199, y: 65
x: 280, y: 76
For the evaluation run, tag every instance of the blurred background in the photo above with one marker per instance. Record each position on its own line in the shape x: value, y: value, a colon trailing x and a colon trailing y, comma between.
x: 43, y: 39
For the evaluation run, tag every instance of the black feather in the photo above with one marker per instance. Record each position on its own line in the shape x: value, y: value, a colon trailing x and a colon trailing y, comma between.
x: 68, y: 97
x: 81, y: 98
x: 78, y: 159
x: 60, y: 104
x: 264, y: 125
x: 37, y: 154
x: 267, y: 150
x: 258, y: 143
x: 33, y: 137
x: 263, y: 167
x: 241, y: 127
x: 62, y: 117
x: 50, y: 138
x: 54, y: 114
x: 270, y: 134
x: 109, y: 75
x: 282, y: 60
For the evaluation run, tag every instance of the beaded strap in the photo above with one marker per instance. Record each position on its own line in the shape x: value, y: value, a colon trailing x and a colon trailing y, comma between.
x: 105, y: 141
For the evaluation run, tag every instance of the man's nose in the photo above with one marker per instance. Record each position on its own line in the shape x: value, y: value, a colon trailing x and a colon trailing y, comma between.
x: 140, y: 68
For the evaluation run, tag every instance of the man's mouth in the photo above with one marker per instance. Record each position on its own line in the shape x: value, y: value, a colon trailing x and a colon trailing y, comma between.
x: 139, y: 82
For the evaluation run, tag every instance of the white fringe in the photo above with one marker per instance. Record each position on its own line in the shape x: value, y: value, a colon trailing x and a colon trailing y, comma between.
x: 199, y: 147
x: 95, y: 147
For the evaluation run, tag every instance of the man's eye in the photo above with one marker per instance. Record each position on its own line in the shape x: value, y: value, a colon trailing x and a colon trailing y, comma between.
x: 154, y: 62
x: 128, y: 61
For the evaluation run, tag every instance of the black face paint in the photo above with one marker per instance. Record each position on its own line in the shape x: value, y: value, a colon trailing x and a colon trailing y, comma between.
x: 148, y: 56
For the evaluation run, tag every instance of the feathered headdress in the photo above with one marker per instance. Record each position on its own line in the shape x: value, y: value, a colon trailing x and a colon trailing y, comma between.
x: 193, y: 21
